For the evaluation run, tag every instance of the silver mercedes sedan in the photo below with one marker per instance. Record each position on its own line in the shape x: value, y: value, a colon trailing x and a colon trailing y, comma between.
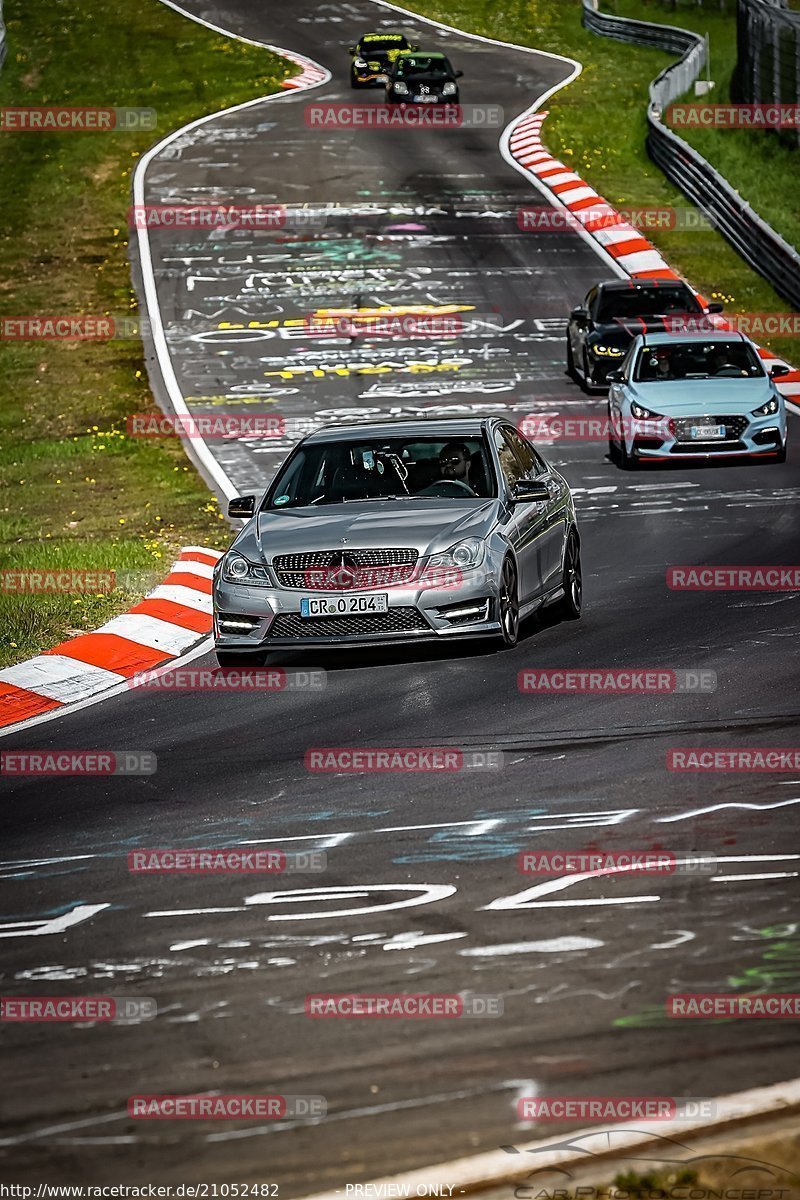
x: 396, y: 532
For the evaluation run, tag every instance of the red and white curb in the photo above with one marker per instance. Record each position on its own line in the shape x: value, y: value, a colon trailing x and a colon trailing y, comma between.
x: 168, y: 622
x: 631, y: 253
x: 310, y: 75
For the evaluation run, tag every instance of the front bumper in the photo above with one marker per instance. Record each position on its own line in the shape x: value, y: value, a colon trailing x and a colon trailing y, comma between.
x: 747, y: 437
x: 248, y: 618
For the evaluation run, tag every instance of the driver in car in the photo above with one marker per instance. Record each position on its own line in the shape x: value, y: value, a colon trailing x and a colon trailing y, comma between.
x: 455, y: 463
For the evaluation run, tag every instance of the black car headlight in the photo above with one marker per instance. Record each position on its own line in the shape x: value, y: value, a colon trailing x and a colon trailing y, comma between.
x: 644, y: 414
x: 769, y: 409
x: 400, y: 87
x: 449, y: 89
x: 360, y: 63
x: 603, y: 350
x: 236, y: 569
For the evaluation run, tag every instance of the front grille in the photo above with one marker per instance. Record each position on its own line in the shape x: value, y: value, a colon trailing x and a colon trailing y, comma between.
x: 320, y: 570
x: 396, y: 620
x: 734, y: 428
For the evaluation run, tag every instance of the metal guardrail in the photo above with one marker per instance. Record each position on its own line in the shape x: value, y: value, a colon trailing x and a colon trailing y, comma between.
x: 768, y: 54
x: 758, y: 244
x: 2, y: 38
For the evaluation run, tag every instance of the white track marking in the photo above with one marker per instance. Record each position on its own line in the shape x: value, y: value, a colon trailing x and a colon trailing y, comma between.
x: 549, y: 946
x: 701, y: 812
x: 43, y: 926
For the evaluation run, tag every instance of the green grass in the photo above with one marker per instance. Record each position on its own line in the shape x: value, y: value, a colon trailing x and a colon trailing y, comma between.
x: 77, y: 492
x: 597, y: 125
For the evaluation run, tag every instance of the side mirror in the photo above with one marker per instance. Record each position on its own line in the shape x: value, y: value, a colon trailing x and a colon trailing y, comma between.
x: 714, y: 307
x: 459, y: 74
x: 351, y: 49
x: 579, y: 313
x: 242, y: 506
x: 614, y: 376
x: 530, y: 490
x: 778, y: 369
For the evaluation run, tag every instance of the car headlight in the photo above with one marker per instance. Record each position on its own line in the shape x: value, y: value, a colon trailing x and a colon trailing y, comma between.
x: 236, y: 569
x: 767, y: 410
x: 606, y: 351
x: 464, y: 555
x: 400, y: 87
x: 361, y: 63
x: 449, y: 89
x: 644, y: 414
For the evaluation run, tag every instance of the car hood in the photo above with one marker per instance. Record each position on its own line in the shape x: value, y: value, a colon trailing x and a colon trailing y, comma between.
x: 688, y: 396
x: 428, y: 526
x: 415, y: 82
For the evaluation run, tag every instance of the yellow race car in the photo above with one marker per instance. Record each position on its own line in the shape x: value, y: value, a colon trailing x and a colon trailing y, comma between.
x: 373, y: 55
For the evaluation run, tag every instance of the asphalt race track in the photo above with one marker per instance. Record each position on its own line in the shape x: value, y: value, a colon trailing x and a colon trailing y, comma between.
x: 410, y: 218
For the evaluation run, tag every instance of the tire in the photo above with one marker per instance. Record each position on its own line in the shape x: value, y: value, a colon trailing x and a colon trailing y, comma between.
x: 570, y: 606
x: 232, y: 658
x: 628, y: 462
x: 508, y: 604
x: 780, y: 457
x: 570, y: 359
x: 587, y: 375
x: 613, y: 453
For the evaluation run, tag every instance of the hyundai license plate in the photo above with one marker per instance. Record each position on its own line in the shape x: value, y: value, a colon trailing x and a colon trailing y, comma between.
x: 705, y: 433
x: 342, y: 606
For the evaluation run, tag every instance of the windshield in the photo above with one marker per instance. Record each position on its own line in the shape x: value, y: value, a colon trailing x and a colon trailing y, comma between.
x: 645, y: 302
x: 371, y: 45
x: 341, y: 472
x: 697, y: 360
x: 422, y: 65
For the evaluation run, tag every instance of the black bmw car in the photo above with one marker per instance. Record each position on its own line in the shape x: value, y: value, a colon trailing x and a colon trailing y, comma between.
x: 601, y: 329
x: 426, y: 78
x: 373, y: 56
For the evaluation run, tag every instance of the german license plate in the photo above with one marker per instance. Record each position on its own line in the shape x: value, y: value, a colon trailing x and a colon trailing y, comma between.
x: 705, y: 433
x: 425, y: 99
x: 342, y: 606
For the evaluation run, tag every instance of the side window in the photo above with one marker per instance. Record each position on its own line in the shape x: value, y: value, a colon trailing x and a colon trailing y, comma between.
x: 531, y: 464
x: 510, y: 465
x: 588, y: 303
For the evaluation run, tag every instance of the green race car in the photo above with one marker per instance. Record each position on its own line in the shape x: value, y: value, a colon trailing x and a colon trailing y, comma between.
x: 373, y: 55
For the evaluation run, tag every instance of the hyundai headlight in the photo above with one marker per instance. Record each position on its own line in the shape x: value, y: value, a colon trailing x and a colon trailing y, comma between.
x: 236, y: 569
x: 769, y: 409
x: 449, y: 89
x: 644, y: 414
x: 606, y: 351
x: 464, y: 555
x: 361, y: 63
x: 401, y: 88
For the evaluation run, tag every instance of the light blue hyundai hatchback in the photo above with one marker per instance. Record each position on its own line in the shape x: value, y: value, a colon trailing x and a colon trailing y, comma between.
x: 689, y: 396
